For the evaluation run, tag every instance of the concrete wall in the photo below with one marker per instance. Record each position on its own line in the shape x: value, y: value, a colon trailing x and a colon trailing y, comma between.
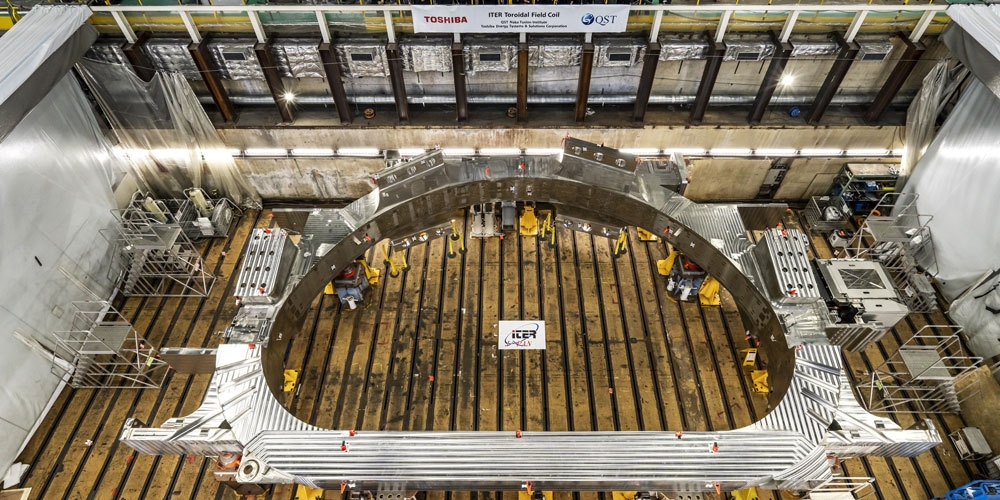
x: 714, y: 179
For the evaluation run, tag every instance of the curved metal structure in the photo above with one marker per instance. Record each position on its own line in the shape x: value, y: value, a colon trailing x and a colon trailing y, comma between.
x: 814, y: 413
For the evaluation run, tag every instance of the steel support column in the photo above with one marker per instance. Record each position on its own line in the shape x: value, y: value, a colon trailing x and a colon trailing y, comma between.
x: 263, y: 52
x: 782, y: 51
x: 331, y: 65
x: 845, y: 58
x: 522, y: 82
x: 398, y: 84
x: 649, y: 62
x: 712, y: 65
x: 137, y: 57
x: 210, y: 73
x: 583, y: 84
x: 458, y: 69
x: 896, y: 79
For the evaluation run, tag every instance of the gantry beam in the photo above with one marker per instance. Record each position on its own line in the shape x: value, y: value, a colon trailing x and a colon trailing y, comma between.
x: 522, y: 81
x: 461, y: 92
x: 712, y: 65
x: 649, y: 62
x: 845, y: 58
x: 583, y: 84
x: 782, y: 51
x: 137, y: 58
x: 331, y: 65
x: 281, y: 96
x: 398, y: 84
x: 902, y: 70
x: 210, y: 73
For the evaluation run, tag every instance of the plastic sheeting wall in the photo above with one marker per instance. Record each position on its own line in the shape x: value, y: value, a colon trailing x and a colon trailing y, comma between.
x: 56, y: 197
x: 957, y: 180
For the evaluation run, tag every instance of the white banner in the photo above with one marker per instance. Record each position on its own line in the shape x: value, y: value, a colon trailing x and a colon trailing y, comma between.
x: 521, y: 335
x: 520, y: 18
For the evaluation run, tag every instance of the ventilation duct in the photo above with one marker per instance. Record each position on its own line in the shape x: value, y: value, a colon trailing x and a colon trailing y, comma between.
x: 171, y: 54
x: 618, y: 52
x: 363, y: 58
x: 874, y: 51
x: 426, y: 55
x: 555, y: 53
x: 298, y: 58
x: 748, y: 50
x: 235, y: 59
x: 673, y: 48
x: 495, y: 55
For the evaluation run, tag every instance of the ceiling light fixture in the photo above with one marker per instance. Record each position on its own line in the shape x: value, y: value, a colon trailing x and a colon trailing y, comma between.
x: 265, y: 152
x: 542, y: 151
x: 500, y: 151
x: 640, y: 151
x: 730, y: 152
x: 458, y: 151
x: 775, y: 152
x: 867, y: 152
x: 410, y: 151
x: 786, y: 80
x: 312, y: 152
x: 821, y: 152
x: 288, y: 97
x: 358, y: 152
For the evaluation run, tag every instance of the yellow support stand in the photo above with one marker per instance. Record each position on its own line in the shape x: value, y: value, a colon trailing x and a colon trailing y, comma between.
x: 291, y: 378
x: 393, y: 270
x: 664, y: 266
x: 749, y: 356
x: 524, y: 495
x: 708, y: 294
x: 529, y: 223
x: 307, y: 493
x: 745, y: 494
x: 621, y: 243
x: 623, y: 495
x: 371, y: 273
x: 329, y: 290
x: 759, y: 378
x: 548, y: 230
x: 646, y: 235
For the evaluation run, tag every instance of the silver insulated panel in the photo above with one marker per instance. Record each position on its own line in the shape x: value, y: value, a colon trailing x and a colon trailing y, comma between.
x: 298, y: 59
x: 874, y: 50
x: 236, y: 59
x: 555, y: 53
x: 813, y: 48
x: 618, y: 52
x: 266, y: 266
x: 109, y: 52
x: 172, y: 55
x: 363, y: 58
x: 426, y: 55
x: 494, y: 55
x: 783, y: 262
x: 673, y: 48
x: 748, y: 50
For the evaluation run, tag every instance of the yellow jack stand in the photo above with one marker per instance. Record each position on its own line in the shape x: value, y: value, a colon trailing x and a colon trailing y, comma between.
x: 623, y: 495
x: 524, y: 495
x: 759, y: 378
x: 708, y: 294
x: 307, y: 493
x: 329, y: 290
x: 750, y: 356
x: 529, y: 223
x: 291, y: 378
x: 371, y: 273
x: 745, y: 494
x: 664, y: 266
x: 646, y: 235
x: 621, y: 244
x: 548, y: 230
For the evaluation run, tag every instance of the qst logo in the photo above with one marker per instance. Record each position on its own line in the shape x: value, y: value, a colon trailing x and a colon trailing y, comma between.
x: 589, y: 19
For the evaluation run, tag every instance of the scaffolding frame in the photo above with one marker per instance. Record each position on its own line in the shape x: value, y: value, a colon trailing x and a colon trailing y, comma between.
x: 160, y: 258
x: 898, y: 236
x: 929, y: 373
x: 106, y: 351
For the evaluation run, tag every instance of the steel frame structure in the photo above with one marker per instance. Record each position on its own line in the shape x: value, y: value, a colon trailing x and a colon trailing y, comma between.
x: 790, y: 448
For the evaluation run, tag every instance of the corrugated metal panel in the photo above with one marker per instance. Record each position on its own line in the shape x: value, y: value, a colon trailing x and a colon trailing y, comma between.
x: 236, y: 59
x: 426, y: 55
x: 298, y: 58
x: 172, y: 55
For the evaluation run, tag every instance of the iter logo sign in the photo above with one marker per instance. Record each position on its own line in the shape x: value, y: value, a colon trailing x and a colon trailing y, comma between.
x: 521, y: 335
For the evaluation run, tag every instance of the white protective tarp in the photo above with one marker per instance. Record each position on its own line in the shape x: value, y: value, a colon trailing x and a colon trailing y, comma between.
x: 35, y: 54
x: 171, y: 143
x: 55, y: 198
x: 958, y: 181
x: 973, y: 37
